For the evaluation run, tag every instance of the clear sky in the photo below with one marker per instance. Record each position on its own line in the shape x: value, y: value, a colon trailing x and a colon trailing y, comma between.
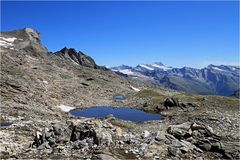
x: 113, y: 33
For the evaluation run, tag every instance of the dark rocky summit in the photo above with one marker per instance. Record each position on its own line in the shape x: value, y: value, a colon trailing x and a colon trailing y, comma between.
x: 38, y: 88
x: 78, y: 57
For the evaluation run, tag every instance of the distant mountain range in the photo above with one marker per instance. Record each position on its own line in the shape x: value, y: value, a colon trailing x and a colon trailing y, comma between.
x: 213, y: 79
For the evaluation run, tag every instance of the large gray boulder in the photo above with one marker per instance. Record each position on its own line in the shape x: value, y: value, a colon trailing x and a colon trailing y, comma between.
x: 200, y: 137
x: 180, y: 131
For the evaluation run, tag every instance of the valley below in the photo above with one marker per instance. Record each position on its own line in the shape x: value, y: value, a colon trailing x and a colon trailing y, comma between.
x: 39, y: 89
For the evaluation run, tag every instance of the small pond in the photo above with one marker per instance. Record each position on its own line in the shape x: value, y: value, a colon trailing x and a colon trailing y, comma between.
x: 130, y: 114
x: 119, y: 97
x: 5, y: 124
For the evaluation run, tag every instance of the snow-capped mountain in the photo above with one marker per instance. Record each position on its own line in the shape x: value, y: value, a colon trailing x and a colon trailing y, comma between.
x: 151, y: 67
x: 213, y: 79
x: 123, y: 69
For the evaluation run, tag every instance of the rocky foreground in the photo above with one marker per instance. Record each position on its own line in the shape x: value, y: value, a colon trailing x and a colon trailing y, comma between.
x: 209, y: 135
x: 35, y: 82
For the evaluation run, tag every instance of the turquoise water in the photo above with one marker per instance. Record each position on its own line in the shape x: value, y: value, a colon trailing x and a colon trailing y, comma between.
x: 130, y: 114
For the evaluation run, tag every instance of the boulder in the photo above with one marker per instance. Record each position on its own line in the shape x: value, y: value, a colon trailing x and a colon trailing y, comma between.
x: 104, y: 138
x: 51, y: 141
x: 180, y: 131
x: 172, y: 151
x: 189, y: 146
x: 143, y: 147
x: 201, y: 129
x: 188, y: 104
x: 45, y: 145
x: 63, y: 134
x: 161, y: 108
x: 119, y: 131
x: 103, y: 157
x: 38, y: 139
x: 84, y: 131
x: 146, y: 134
x: 230, y: 150
x: 159, y: 139
x: 171, y: 102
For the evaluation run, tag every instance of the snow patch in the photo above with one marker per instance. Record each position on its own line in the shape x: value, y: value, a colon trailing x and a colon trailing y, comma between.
x: 45, y: 82
x: 126, y: 71
x: 144, y: 66
x: 38, y: 134
x: 218, y: 69
x: 146, y: 134
x: 233, y: 68
x: 161, y: 67
x: 10, y: 40
x: 7, y: 42
x: 73, y: 61
x: 65, y: 108
x: 135, y: 89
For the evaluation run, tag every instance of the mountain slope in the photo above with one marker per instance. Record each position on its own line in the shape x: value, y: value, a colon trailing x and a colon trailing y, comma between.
x: 220, y: 80
x: 36, y: 82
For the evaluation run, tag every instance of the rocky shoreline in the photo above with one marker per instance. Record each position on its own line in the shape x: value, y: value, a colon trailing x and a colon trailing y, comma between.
x: 110, y: 138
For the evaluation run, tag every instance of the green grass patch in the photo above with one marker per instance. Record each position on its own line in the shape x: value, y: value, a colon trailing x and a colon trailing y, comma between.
x: 154, y: 96
x: 189, y: 97
x: 147, y: 93
x: 122, y: 124
x: 225, y: 103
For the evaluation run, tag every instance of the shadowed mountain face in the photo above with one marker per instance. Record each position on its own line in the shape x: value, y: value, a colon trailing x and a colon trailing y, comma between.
x: 220, y: 80
x: 77, y: 57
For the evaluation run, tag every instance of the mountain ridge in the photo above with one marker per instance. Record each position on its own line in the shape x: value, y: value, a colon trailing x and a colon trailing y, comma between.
x: 213, y: 79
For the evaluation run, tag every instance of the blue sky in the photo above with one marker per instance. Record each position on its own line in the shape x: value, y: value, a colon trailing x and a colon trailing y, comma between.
x: 113, y: 33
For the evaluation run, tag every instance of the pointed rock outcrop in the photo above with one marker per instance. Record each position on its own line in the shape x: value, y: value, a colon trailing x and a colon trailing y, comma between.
x: 77, y: 57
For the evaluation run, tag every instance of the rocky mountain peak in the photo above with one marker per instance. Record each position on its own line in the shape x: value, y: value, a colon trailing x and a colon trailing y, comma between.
x: 33, y: 35
x: 122, y: 67
x: 26, y: 39
x: 66, y: 50
x: 77, y: 57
